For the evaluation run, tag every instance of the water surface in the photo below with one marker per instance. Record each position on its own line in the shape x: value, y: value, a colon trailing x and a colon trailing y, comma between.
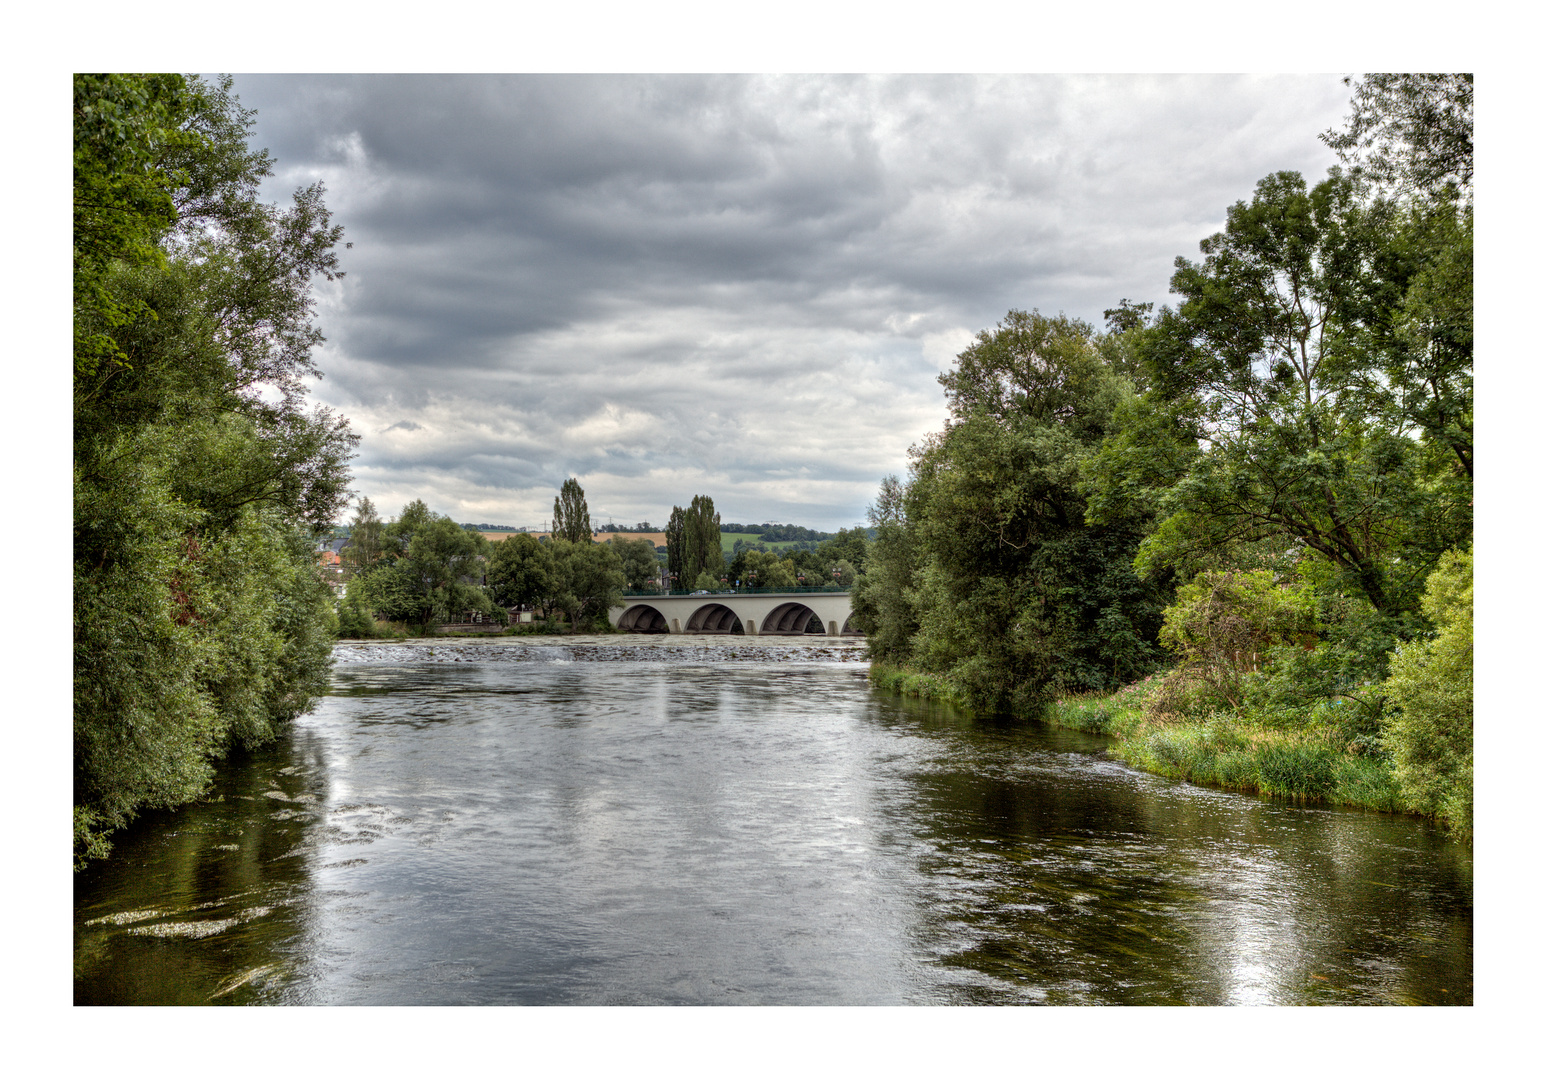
x: 734, y: 823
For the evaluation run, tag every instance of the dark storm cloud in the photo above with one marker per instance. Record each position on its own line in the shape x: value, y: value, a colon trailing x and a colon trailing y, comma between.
x: 743, y: 287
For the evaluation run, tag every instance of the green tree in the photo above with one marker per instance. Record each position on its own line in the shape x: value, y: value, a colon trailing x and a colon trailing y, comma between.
x: 1267, y: 363
x: 519, y: 571
x: 584, y: 581
x: 1223, y: 625
x: 123, y: 198
x: 355, y: 618
x: 399, y: 533
x: 885, y: 599
x: 641, y: 569
x: 435, y: 574
x: 365, y: 546
x: 986, y: 550
x: 851, y: 545
x: 763, y: 570
x: 693, y: 543
x: 571, y: 516
x: 1410, y: 131
x: 392, y: 594
x: 1429, y: 725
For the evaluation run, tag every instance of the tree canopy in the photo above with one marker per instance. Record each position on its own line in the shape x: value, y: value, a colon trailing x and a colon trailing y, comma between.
x: 984, y: 568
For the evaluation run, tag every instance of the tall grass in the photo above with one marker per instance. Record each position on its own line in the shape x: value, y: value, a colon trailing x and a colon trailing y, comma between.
x: 1305, y: 757
x: 918, y: 684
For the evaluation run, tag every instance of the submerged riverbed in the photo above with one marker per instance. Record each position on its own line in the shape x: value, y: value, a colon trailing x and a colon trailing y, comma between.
x: 734, y: 821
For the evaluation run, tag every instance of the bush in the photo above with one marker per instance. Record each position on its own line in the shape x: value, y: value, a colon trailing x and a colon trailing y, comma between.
x: 1224, y: 623
x: 1429, y: 731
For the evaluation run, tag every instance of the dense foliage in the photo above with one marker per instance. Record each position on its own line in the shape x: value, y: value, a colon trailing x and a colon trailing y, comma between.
x: 430, y: 570
x: 985, y: 569
x: 1291, y: 444
x: 200, y: 474
x: 774, y: 533
x: 1430, y: 729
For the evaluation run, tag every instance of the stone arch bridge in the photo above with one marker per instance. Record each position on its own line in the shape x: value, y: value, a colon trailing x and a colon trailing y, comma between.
x: 757, y: 614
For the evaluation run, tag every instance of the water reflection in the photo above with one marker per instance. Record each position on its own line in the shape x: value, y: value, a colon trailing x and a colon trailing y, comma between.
x: 206, y: 904
x: 542, y: 831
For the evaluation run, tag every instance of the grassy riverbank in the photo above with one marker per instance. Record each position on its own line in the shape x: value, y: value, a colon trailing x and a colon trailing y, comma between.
x: 1311, y: 756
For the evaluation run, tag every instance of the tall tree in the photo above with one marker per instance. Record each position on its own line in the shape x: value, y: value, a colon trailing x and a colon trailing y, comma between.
x: 123, y: 205
x: 1273, y: 362
x: 519, y: 569
x: 641, y: 568
x: 984, y: 569
x: 571, y: 516
x: 1411, y: 132
x: 365, y: 539
x: 693, y: 543
x: 434, y: 570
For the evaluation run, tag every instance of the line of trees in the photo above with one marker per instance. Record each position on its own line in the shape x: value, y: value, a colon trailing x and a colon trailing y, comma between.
x: 201, y: 474
x: 1298, y: 426
x: 779, y: 533
x: 422, y: 569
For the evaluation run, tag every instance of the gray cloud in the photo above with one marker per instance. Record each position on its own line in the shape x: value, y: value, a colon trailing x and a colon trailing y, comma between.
x: 741, y: 287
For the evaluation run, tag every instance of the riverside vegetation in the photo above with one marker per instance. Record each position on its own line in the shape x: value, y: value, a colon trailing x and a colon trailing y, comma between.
x: 1236, y: 535
x: 201, y: 475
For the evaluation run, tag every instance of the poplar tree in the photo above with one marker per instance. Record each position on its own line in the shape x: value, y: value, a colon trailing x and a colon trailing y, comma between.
x: 365, y: 539
x: 693, y: 542
x: 571, y: 516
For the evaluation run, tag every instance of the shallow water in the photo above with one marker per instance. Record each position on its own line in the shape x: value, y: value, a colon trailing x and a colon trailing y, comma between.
x: 663, y: 823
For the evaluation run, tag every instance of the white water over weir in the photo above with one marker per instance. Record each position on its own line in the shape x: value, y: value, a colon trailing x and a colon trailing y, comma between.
x: 756, y: 614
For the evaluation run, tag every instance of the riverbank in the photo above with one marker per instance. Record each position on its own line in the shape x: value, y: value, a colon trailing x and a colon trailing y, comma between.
x: 1312, y: 760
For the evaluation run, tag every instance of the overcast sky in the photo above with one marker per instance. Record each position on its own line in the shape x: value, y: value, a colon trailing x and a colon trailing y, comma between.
x: 737, y: 287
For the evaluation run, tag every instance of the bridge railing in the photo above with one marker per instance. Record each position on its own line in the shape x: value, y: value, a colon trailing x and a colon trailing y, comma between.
x: 831, y: 590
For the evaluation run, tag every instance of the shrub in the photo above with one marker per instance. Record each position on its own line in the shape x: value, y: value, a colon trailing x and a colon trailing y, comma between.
x: 1429, y: 731
x: 1223, y: 624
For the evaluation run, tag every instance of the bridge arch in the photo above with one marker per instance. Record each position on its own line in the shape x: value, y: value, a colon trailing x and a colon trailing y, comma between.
x: 791, y: 617
x: 713, y: 618
x: 643, y: 619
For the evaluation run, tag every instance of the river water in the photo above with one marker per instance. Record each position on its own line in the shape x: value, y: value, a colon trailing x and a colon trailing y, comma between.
x: 717, y: 821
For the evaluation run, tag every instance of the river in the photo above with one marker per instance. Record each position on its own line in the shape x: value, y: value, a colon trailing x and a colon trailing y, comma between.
x: 724, y: 821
